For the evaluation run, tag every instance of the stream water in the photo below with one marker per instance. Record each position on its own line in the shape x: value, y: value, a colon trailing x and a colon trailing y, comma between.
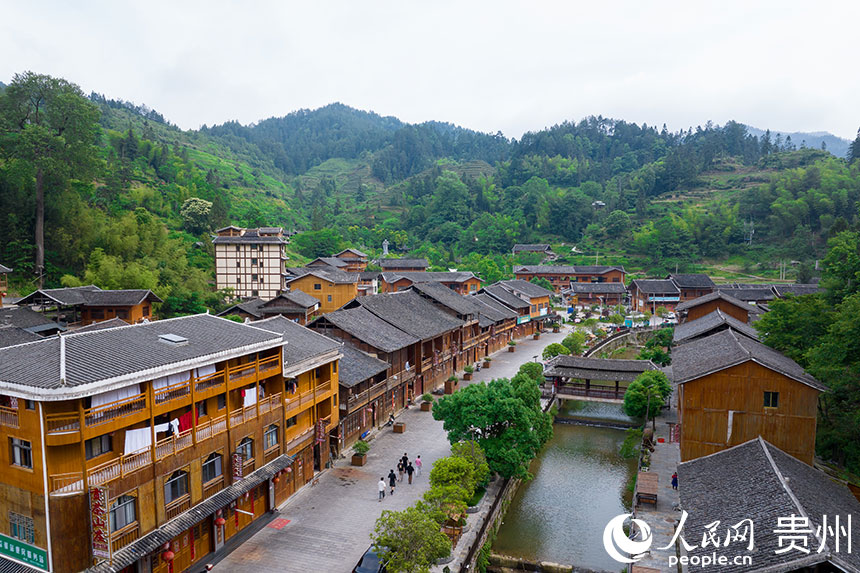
x: 580, y: 484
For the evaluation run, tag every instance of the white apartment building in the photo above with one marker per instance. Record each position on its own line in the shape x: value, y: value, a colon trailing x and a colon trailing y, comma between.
x: 250, y: 261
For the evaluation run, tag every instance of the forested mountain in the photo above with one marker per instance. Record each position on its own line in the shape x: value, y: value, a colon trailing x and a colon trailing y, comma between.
x: 816, y: 140
x: 123, y: 209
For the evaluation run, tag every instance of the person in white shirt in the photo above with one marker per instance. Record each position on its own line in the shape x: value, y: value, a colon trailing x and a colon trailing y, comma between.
x: 381, y: 486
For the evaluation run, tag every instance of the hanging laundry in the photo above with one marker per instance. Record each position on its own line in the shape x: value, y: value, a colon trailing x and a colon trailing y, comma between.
x: 136, y: 440
x: 185, y: 421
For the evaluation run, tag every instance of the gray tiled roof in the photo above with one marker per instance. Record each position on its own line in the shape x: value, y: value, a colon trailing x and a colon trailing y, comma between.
x: 249, y: 306
x: 67, y: 296
x: 757, y: 481
x: 301, y: 343
x: 4, y: 269
x: 127, y: 355
x: 460, y: 304
x: 27, y: 318
x: 566, y: 269
x: 725, y: 349
x: 530, y: 248
x: 597, y: 368
x: 355, y: 252
x: 526, y: 288
x: 718, y: 294
x: 424, y: 277
x: 505, y: 297
x: 370, y: 329
x: 710, y: 323
x: 597, y: 288
x: 502, y: 311
x: 13, y: 335
x: 411, y: 313
x: 150, y: 542
x: 330, y: 275
x: 598, y: 269
x: 796, y: 289
x: 696, y: 280
x: 109, y: 323
x: 357, y: 366
x: 656, y: 286
x: 403, y: 263
x: 749, y: 294
x: 330, y: 261
x: 300, y: 298
x: 91, y: 296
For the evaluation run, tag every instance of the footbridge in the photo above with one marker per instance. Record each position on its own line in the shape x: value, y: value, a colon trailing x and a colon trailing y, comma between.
x: 591, y: 379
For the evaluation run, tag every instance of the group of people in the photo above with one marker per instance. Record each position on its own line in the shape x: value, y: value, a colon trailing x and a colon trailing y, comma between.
x: 404, y: 466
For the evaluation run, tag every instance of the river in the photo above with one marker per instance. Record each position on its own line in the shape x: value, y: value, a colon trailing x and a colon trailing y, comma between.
x: 580, y: 483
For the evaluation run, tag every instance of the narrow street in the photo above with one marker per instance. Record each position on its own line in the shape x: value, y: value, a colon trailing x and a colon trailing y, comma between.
x: 330, y: 523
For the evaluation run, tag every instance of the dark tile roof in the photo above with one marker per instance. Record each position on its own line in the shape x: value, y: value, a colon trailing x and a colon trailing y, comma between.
x: 710, y: 323
x: 300, y: 298
x: 370, y: 329
x: 296, y: 271
x: 526, y: 288
x: 250, y: 306
x: 14, y: 335
x: 66, y: 296
x: 597, y: 288
x: 403, y: 263
x: 597, y: 368
x: 302, y: 343
x: 757, y: 481
x: 566, y: 269
x: 494, y: 309
x: 655, y: 286
x: 357, y: 366
x: 796, y: 289
x: 530, y: 248
x: 91, y: 296
x: 330, y: 261
x: 28, y: 319
x: 598, y: 269
x: 368, y: 275
x: 697, y: 280
x: 462, y: 305
x: 424, y: 277
x: 109, y: 323
x: 749, y: 294
x: 270, y: 230
x: 725, y: 349
x: 330, y: 275
x: 4, y: 269
x: 246, y: 239
x: 505, y: 297
x: 718, y: 294
x: 411, y: 313
x: 127, y: 355
x: 355, y: 252
x: 150, y: 542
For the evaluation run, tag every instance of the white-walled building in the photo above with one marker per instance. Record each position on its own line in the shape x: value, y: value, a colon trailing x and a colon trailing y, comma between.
x: 250, y: 261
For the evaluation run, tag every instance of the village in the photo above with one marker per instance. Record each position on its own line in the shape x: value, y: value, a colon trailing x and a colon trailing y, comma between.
x: 240, y: 440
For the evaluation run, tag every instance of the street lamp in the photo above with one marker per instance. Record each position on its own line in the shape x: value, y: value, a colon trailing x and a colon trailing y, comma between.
x: 535, y: 357
x: 472, y: 431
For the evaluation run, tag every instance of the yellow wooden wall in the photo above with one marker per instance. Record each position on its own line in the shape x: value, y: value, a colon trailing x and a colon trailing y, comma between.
x: 340, y: 293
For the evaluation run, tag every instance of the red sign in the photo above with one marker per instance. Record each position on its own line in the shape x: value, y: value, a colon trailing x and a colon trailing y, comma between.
x: 320, y: 431
x: 99, y: 524
x: 238, y: 461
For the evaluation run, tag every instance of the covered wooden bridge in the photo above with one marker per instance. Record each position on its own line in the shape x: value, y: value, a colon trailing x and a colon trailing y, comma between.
x: 595, y: 379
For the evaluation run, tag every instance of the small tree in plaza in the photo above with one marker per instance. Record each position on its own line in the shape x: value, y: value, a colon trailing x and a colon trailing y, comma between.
x: 554, y: 350
x: 409, y: 541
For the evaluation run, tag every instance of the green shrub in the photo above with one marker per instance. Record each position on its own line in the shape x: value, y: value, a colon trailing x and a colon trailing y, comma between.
x: 361, y: 447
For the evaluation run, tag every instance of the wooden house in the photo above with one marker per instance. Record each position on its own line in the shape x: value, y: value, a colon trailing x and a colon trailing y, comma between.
x: 760, y: 487
x: 541, y: 249
x: 797, y: 289
x: 719, y: 300
x: 538, y: 298
x: 295, y: 305
x: 524, y: 325
x: 28, y: 319
x: 693, y: 285
x: 4, y: 283
x: 332, y: 288
x: 88, y: 304
x: 248, y: 309
x: 502, y: 317
x: 329, y: 263
x: 250, y: 261
x: 363, y: 381
x: 733, y: 389
x: 460, y: 282
x: 172, y: 435
x: 404, y: 265
x: 717, y: 321
x: 562, y: 276
x: 588, y: 294
x: 749, y: 293
x: 356, y: 261
x: 471, y: 340
x: 650, y: 294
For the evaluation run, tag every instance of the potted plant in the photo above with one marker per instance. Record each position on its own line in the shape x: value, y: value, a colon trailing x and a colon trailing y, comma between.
x: 359, y: 456
x: 451, y: 384
x: 468, y: 370
x: 487, y: 361
x: 512, y: 345
x: 426, y: 402
x: 556, y: 327
x: 399, y: 427
x: 537, y: 334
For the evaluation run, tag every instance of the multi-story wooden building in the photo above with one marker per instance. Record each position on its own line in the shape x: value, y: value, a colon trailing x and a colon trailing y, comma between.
x: 544, y: 250
x: 404, y: 265
x: 709, y: 324
x: 471, y: 340
x: 294, y: 305
x: 603, y: 294
x: 250, y: 261
x: 733, y: 389
x: 651, y: 294
x: 356, y: 261
x: 693, y: 285
x: 536, y: 297
x: 704, y: 305
x: 146, y: 447
x: 504, y: 320
x: 4, y: 284
x: 460, y: 282
x: 522, y: 308
x: 88, y: 304
x: 332, y: 288
x: 561, y: 276
x: 363, y: 384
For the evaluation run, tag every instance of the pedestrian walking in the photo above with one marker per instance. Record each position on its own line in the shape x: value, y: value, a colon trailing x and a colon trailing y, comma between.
x: 675, y: 480
x: 418, y: 465
x: 381, y: 487
x: 400, y: 470
x: 405, y: 460
x: 392, y: 480
x: 409, y: 471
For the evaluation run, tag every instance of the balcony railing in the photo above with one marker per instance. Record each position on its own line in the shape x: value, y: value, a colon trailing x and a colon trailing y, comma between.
x: 173, y: 444
x: 173, y: 392
x: 242, y: 415
x: 324, y: 388
x: 270, y: 403
x: 270, y: 363
x: 212, y: 487
x: 62, y: 484
x: 107, y: 412
x: 124, y: 536
x: 63, y: 423
x: 212, y: 427
x: 369, y: 394
x: 177, y: 506
x: 120, y: 467
x: 8, y: 417
x: 208, y: 382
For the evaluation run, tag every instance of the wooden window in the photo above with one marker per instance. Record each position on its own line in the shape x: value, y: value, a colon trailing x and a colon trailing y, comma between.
x: 246, y: 448
x: 222, y: 401
x: 255, y: 293
x: 122, y: 313
x: 176, y: 486
x: 21, y: 527
x: 22, y: 453
x: 317, y: 286
x: 29, y: 404
x: 255, y: 277
x: 329, y: 298
x: 201, y: 408
x: 97, y: 313
x: 97, y: 446
x: 146, y: 310
x: 270, y: 438
x: 212, y: 467
x: 292, y: 421
x: 771, y: 399
x: 254, y: 262
x: 238, y: 264
x: 123, y: 512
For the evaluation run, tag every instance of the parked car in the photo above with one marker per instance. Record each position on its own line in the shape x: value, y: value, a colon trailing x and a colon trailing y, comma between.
x: 369, y: 563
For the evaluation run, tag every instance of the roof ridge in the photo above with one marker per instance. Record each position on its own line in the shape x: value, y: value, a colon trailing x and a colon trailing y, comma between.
x: 738, y: 342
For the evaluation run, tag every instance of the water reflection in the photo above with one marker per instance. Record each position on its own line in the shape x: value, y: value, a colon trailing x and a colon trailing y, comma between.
x: 580, y: 484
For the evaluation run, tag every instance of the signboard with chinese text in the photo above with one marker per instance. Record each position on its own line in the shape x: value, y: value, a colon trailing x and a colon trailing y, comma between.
x: 99, y: 523
x: 23, y: 552
x: 238, y: 462
x: 321, y: 427
x: 523, y: 319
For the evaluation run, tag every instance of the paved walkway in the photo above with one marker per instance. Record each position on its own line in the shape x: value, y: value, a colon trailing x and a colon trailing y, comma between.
x: 330, y: 524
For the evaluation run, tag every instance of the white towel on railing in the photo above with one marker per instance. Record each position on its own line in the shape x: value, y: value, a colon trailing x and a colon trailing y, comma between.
x: 163, y: 427
x: 204, y: 371
x: 166, y: 381
x: 250, y: 397
x: 136, y: 440
x: 114, y: 395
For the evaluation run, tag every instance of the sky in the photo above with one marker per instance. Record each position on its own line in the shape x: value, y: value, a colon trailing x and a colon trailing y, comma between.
x: 491, y: 66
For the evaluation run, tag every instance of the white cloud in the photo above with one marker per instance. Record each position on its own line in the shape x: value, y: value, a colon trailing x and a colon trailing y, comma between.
x: 502, y: 65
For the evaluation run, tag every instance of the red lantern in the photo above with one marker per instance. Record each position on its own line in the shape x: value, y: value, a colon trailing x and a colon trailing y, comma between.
x: 220, y: 522
x: 168, y: 556
x: 276, y: 479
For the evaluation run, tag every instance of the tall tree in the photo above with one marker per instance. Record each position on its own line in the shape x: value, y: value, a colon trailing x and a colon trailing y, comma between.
x: 48, y: 125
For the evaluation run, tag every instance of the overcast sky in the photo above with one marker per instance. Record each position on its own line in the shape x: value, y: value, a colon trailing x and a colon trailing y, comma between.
x: 491, y: 66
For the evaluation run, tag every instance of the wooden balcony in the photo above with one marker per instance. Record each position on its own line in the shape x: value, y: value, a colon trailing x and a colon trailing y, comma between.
x: 120, y: 467
x: 212, y: 487
x: 173, y: 444
x: 63, y: 423
x: 242, y: 415
x: 109, y: 412
x: 364, y: 397
x: 270, y: 403
x: 8, y: 417
x: 215, y: 383
x: 177, y: 506
x: 174, y: 392
x: 250, y: 371
x: 67, y: 484
x: 211, y: 427
x: 298, y: 402
x: 124, y: 536
x: 299, y: 441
